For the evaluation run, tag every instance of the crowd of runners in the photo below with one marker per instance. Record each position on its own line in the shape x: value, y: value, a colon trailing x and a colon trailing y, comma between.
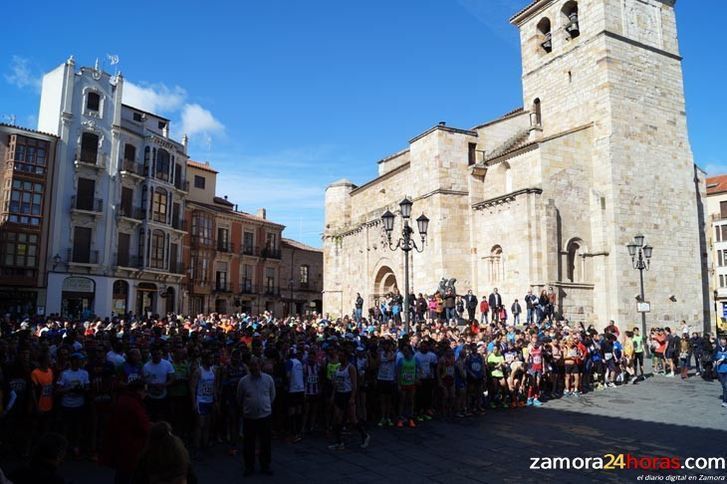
x: 70, y: 377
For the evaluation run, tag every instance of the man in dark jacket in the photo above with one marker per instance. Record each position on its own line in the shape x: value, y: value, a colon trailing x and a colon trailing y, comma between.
x: 495, y: 301
x: 697, y: 351
x: 421, y: 306
x: 359, y: 307
x: 516, y: 310
x: 449, y: 305
x: 470, y: 302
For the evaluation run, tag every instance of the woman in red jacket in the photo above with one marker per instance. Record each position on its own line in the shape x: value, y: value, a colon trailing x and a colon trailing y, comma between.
x: 127, y: 433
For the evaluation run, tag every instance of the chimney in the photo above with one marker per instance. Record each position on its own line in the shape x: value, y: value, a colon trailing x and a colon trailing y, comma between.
x: 165, y: 130
x: 262, y: 213
x: 442, y: 123
x: 225, y: 197
x: 185, y: 140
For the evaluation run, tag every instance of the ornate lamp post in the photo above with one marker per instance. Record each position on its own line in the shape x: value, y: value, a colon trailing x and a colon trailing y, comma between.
x: 640, y: 260
x: 406, y: 244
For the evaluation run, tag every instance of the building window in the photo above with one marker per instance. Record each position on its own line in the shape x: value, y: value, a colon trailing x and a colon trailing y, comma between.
x: 20, y: 250
x: 156, y: 257
x: 89, y: 148
x: 718, y: 231
x: 129, y: 153
x: 545, y: 37
x: 304, y: 269
x: 93, y: 101
x: 223, y: 240
x: 159, y: 205
x: 721, y: 280
x: 26, y: 203
x: 221, y: 276
x: 199, y: 182
x: 574, y: 267
x: 723, y: 229
x: 162, y: 125
x: 248, y: 243
x: 138, y: 117
x: 570, y: 14
x: 536, y: 115
x: 202, y: 227
x: 162, y: 165
x: 30, y: 155
x: 246, y: 283
x: 471, y: 154
x: 496, y: 264
x: 270, y: 280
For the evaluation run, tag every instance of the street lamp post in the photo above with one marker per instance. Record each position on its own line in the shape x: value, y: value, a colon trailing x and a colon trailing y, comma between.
x: 406, y: 244
x: 640, y: 260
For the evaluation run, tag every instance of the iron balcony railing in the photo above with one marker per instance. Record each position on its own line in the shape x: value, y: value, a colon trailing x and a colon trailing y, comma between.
x: 80, y: 256
x: 126, y: 260
x: 270, y: 253
x: 136, y: 213
x: 130, y: 166
x: 87, y: 204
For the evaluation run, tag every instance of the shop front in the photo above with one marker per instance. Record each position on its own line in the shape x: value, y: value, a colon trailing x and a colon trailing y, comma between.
x: 77, y: 297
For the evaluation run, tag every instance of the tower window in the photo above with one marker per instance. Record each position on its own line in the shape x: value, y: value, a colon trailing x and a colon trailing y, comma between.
x: 93, y: 101
x: 570, y: 14
x: 536, y: 117
x: 545, y: 36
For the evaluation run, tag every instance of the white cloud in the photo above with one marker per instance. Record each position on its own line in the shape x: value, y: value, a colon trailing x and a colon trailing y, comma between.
x: 155, y: 98
x: 21, y: 75
x: 196, y: 120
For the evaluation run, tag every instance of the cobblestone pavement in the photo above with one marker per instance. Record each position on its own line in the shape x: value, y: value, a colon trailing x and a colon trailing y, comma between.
x: 659, y: 417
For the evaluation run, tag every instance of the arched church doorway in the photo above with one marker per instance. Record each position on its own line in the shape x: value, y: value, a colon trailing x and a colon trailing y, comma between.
x: 384, y: 282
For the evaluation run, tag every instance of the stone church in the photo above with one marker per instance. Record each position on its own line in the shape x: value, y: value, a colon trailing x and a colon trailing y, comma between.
x: 549, y: 194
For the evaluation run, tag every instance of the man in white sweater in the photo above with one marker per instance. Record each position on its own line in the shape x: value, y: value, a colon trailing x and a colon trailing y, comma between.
x: 256, y: 394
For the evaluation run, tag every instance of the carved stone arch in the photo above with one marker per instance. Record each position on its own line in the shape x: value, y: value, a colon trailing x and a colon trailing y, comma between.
x: 576, y: 268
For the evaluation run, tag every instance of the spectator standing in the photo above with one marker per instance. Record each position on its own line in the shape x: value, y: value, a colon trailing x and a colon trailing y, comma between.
x: 516, y: 310
x: 720, y: 366
x: 256, y: 394
x: 484, y: 310
x: 358, y: 307
x: 471, y: 305
x: 531, y: 300
x: 495, y: 301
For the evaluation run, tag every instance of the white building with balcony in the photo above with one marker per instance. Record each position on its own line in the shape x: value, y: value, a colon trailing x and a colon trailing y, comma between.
x: 717, y: 241
x: 119, y: 190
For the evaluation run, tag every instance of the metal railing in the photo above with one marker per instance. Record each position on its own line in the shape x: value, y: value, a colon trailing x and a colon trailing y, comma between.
x: 136, y: 213
x: 182, y: 185
x: 82, y: 256
x: 179, y: 224
x: 270, y: 253
x: 222, y: 287
x: 130, y: 166
x: 86, y: 204
x: 225, y: 246
x: 177, y: 267
x: 90, y: 157
x: 250, y: 250
x: 126, y: 260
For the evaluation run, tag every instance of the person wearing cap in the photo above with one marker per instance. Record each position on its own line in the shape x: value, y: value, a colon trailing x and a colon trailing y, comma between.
x: 73, y: 386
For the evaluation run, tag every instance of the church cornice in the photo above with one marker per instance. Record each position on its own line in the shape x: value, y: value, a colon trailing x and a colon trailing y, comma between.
x: 507, y: 198
x: 381, y: 178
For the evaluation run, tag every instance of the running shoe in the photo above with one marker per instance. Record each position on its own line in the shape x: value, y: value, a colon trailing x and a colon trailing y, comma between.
x: 537, y: 403
x: 338, y: 446
x: 724, y: 404
x: 399, y: 424
x: 427, y: 417
x: 381, y: 423
x: 389, y: 422
x: 521, y: 404
x: 412, y: 424
x: 513, y: 404
x: 529, y: 403
x: 366, y: 440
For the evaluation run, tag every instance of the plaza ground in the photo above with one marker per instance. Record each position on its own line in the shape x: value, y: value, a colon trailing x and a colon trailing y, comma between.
x: 659, y: 417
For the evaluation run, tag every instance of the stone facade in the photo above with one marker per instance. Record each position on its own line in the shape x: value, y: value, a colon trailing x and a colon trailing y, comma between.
x: 301, y: 273
x: 548, y: 195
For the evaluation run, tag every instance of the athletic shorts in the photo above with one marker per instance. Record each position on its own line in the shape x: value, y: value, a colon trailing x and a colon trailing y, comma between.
x: 342, y: 399
x: 295, y: 399
x: 204, y: 409
x: 535, y: 373
x: 571, y: 369
x: 385, y: 387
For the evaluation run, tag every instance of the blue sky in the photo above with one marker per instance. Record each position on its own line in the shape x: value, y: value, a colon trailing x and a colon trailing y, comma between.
x: 284, y: 97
